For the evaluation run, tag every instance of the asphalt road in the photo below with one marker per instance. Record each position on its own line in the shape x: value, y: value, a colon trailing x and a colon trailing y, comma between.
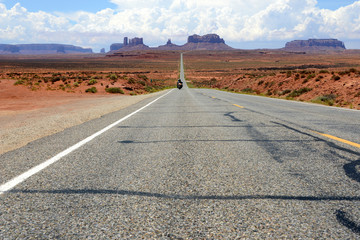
x: 192, y: 165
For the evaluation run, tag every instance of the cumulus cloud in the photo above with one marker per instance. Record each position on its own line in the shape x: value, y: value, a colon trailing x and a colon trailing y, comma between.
x: 158, y: 20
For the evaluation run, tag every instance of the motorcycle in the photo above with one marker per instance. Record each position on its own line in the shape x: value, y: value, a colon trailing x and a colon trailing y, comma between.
x: 179, y: 85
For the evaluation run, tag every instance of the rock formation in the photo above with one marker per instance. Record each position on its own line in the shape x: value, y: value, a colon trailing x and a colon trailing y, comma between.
x: 206, y: 42
x: 129, y: 45
x: 41, y: 49
x: 136, y: 41
x: 315, y: 45
x: 209, y: 38
x: 169, y: 46
x: 116, y: 46
x: 195, y: 42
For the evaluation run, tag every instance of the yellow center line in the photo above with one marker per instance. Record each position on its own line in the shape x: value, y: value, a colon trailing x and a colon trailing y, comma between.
x: 238, y: 106
x: 339, y: 139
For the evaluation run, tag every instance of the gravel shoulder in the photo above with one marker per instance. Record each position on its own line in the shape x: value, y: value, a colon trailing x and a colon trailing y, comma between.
x: 18, y: 128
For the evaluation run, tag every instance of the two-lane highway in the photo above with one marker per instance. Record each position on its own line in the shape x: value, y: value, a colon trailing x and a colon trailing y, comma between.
x: 194, y: 164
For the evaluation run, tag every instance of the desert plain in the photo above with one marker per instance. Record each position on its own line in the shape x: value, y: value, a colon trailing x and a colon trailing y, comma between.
x: 44, y: 94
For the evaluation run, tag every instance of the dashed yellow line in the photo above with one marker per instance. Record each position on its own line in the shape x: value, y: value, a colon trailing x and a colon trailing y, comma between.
x: 238, y: 106
x: 339, y: 139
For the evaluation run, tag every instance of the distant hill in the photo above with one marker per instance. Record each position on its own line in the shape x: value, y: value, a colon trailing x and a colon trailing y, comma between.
x: 315, y: 45
x: 42, y: 49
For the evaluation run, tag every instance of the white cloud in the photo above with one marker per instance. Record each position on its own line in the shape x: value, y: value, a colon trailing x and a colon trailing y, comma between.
x: 158, y: 20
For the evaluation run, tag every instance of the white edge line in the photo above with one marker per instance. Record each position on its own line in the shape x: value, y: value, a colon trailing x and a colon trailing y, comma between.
x: 19, y: 179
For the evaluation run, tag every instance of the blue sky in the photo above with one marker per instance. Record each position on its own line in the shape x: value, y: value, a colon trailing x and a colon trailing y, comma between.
x: 94, y: 6
x: 242, y: 23
x: 333, y: 4
x: 61, y: 5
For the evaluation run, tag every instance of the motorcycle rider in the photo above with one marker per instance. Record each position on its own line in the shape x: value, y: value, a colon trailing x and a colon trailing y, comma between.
x: 179, y: 83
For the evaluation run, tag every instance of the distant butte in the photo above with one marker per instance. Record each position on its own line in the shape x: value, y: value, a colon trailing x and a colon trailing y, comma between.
x: 315, y: 45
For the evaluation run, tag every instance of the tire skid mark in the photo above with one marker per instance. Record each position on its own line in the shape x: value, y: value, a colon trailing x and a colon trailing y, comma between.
x: 344, y: 219
x: 351, y: 170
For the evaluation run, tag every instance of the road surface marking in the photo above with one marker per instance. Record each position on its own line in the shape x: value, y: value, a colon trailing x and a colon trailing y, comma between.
x: 339, y: 139
x: 238, y: 106
x: 19, y: 179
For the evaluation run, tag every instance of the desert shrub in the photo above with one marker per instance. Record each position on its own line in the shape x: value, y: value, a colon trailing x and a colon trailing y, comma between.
x: 113, y: 77
x: 114, y: 90
x: 310, y: 76
x: 131, y: 81
x: 76, y: 84
x: 324, y: 71
x: 144, y: 77
x: 284, y: 92
x: 92, y: 82
x: 335, y: 77
x: 352, y: 70
x: 288, y: 74
x: 342, y: 73
x: 358, y: 94
x: 247, y: 90
x: 318, y: 78
x: 326, y: 99
x: 149, y: 89
x: 299, y: 92
x: 91, y: 90
x: 260, y: 82
x: 55, y: 79
x: 19, y: 82
x: 142, y: 83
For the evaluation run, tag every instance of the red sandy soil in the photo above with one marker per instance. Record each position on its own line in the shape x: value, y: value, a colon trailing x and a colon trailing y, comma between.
x: 20, y: 98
